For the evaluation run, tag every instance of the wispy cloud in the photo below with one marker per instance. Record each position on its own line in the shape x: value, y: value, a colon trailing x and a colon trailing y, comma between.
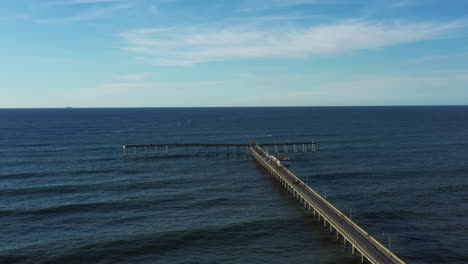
x: 287, y: 17
x: 134, y: 93
x: 12, y: 18
x: 430, y: 58
x: 134, y: 76
x: 434, y: 88
x: 437, y: 87
x: 155, y: 4
x: 440, y: 57
x: 76, y: 2
x: 90, y: 14
x: 184, y: 46
x: 402, y: 4
x: 154, y: 10
x: 277, y: 4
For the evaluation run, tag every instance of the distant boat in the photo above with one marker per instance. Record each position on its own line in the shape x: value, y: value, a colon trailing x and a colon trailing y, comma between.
x: 68, y: 107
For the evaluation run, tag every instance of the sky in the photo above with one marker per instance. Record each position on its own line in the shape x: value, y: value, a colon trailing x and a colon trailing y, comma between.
x: 197, y: 53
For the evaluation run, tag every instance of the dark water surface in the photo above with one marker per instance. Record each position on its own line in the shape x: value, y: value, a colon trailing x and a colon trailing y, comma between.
x: 67, y: 194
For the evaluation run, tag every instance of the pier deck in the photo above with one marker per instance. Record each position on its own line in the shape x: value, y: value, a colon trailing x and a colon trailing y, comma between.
x: 359, y: 239
x: 216, y: 147
x: 345, y: 229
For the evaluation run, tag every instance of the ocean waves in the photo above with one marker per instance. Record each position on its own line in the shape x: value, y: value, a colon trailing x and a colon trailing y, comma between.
x: 68, y: 195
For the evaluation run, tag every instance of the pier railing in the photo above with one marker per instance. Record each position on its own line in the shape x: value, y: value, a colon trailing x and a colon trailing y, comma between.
x: 190, y: 148
x: 360, y: 240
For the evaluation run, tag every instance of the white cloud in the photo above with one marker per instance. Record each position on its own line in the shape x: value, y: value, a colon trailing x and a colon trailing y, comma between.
x: 136, y: 93
x: 277, y: 4
x: 429, y: 89
x: 75, y: 2
x: 154, y: 10
x: 402, y: 4
x: 432, y: 58
x: 290, y: 17
x: 134, y: 76
x: 438, y: 87
x: 182, y: 46
x: 429, y: 58
x: 90, y: 14
x: 12, y: 18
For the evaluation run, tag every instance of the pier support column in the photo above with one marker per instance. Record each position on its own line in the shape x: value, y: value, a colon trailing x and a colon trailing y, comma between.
x: 124, y: 151
x: 295, y: 148
x: 344, y: 242
x: 146, y: 150
x: 285, y: 149
x: 134, y: 150
x: 352, y: 249
x: 276, y: 148
x: 167, y: 149
x: 362, y: 258
x: 156, y: 149
x: 314, y: 147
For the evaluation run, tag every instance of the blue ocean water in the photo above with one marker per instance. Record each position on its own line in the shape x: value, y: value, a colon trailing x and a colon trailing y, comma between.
x: 68, y: 195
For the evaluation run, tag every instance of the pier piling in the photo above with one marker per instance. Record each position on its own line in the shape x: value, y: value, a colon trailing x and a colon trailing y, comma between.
x: 370, y: 249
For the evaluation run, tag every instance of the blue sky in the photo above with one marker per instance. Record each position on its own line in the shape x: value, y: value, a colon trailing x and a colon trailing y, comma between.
x: 164, y: 53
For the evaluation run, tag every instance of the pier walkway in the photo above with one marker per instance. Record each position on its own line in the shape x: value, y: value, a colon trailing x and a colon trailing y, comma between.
x: 213, y: 147
x: 347, y: 230
x: 369, y: 248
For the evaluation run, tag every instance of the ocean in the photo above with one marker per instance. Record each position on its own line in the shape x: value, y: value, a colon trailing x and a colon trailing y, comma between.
x: 69, y: 195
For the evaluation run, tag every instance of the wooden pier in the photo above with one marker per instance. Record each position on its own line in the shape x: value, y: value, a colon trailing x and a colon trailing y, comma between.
x: 197, y: 148
x: 347, y: 230
x: 333, y: 219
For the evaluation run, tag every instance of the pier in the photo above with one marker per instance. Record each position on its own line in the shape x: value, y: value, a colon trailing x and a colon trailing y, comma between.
x: 197, y: 148
x: 346, y: 230
x: 359, y: 240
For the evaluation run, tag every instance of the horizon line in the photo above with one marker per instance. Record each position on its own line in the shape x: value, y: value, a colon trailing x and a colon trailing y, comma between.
x: 149, y: 107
